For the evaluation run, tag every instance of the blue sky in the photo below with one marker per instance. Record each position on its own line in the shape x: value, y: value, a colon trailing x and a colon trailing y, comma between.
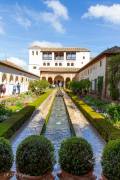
x: 94, y: 24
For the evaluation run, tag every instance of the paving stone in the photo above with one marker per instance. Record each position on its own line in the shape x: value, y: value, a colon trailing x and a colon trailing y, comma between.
x: 33, y: 126
x: 84, y: 129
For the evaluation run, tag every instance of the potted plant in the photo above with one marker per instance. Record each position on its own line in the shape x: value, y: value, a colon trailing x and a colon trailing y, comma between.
x: 111, y: 160
x: 6, y: 159
x: 76, y: 159
x: 35, y: 159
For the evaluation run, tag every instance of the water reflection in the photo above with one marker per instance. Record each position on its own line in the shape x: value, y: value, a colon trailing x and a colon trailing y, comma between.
x: 58, y: 128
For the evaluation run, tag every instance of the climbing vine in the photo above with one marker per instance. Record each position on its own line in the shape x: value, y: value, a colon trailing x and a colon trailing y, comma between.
x: 114, y: 76
x: 100, y: 85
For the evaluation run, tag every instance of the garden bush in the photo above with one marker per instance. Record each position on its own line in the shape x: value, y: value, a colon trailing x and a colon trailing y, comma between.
x: 35, y: 156
x: 114, y: 111
x: 76, y: 156
x: 80, y: 86
x: 105, y: 128
x: 111, y: 160
x: 6, y: 155
x: 96, y: 103
x: 4, y: 111
x: 38, y: 86
x: 12, y: 124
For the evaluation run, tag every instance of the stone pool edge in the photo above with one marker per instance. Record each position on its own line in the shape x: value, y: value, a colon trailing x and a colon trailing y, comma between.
x: 46, y: 119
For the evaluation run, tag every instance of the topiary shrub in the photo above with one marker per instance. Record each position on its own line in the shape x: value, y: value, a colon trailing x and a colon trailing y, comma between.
x: 35, y: 156
x: 76, y: 156
x: 6, y: 155
x: 111, y: 160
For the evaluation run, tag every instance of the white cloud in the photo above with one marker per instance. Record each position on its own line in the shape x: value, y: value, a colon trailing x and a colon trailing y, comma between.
x: 58, y: 8
x: 46, y: 44
x: 23, y: 21
x: 17, y: 61
x: 54, y: 14
x: 108, y: 13
x: 2, y: 31
x: 21, y: 17
x: 54, y: 21
x: 59, y: 13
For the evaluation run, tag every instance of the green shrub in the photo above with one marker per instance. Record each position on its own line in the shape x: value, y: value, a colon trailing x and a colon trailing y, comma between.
x: 80, y: 86
x: 114, y: 111
x: 4, y: 111
x: 96, y: 103
x: 35, y: 156
x: 12, y: 124
x: 76, y: 156
x: 6, y: 155
x: 105, y: 128
x: 38, y: 86
x: 114, y: 76
x: 100, y: 85
x: 111, y: 160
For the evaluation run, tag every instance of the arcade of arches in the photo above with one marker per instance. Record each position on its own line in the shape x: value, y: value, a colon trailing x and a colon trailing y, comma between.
x: 58, y: 79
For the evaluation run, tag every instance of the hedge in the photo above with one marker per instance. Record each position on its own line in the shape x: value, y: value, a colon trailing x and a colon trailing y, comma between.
x: 102, y: 125
x: 12, y: 124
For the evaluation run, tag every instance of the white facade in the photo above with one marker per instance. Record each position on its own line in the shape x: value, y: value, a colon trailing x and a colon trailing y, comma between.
x: 93, y: 71
x: 57, y: 57
x: 10, y: 76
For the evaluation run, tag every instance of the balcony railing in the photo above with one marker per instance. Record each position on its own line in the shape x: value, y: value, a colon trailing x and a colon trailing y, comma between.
x: 59, y: 58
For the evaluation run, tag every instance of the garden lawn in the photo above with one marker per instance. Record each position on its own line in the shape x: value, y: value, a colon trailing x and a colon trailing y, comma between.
x: 12, y: 124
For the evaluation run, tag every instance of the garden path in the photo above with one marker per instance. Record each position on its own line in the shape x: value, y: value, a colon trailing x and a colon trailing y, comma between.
x: 32, y: 126
x: 84, y: 129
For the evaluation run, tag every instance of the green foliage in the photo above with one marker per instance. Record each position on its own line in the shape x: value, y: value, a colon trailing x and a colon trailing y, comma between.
x: 111, y: 160
x: 105, y: 128
x: 114, y: 76
x: 35, y: 156
x: 12, y: 124
x: 6, y: 155
x: 76, y: 156
x: 114, y: 111
x: 96, y: 103
x: 38, y: 86
x: 80, y: 86
x: 100, y: 85
x: 4, y: 111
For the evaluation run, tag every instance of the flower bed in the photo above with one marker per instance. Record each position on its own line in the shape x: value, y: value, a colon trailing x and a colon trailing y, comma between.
x: 105, y: 128
x: 15, y: 104
x: 109, y: 110
x: 12, y: 124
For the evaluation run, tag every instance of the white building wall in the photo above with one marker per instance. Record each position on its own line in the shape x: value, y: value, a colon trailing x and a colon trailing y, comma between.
x: 23, y: 79
x: 36, y: 61
x: 92, y: 72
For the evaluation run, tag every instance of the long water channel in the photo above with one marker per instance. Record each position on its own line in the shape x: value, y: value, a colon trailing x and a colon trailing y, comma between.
x: 58, y: 128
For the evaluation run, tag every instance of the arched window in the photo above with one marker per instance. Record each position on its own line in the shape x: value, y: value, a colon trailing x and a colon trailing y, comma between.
x: 11, y: 78
x: 16, y: 78
x: 4, y: 77
x: 50, y: 80
x: 22, y: 79
x: 43, y: 78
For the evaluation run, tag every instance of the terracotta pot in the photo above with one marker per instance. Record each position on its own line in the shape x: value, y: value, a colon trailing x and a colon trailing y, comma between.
x: 65, y: 176
x: 47, y: 176
x: 7, y: 175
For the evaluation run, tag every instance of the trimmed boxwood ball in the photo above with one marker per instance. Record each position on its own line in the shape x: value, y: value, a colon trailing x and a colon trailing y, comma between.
x: 6, y: 155
x: 111, y: 160
x: 35, y: 156
x: 76, y: 156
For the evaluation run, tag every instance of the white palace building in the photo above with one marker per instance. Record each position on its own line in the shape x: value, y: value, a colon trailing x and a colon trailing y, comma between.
x: 65, y: 64
x: 57, y: 64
